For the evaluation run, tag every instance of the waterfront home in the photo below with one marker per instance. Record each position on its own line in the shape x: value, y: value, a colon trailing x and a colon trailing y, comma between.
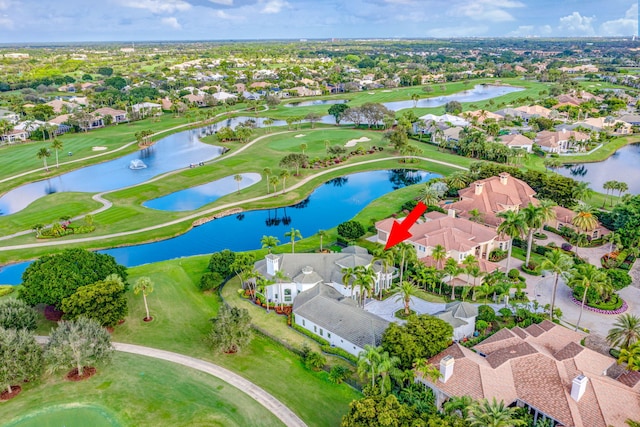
x: 117, y: 116
x: 560, y: 141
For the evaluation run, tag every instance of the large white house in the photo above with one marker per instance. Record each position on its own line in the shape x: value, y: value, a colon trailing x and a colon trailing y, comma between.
x: 296, y: 273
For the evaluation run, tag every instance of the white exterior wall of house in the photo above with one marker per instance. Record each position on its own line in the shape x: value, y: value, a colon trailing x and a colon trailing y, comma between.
x: 334, y: 340
x: 285, y: 293
x: 465, y: 331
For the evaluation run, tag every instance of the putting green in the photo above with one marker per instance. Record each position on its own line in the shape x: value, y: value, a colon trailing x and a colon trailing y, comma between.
x: 71, y: 415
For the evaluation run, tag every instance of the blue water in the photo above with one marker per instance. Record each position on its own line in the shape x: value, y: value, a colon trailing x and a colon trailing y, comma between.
x: 478, y: 93
x: 317, y: 102
x: 622, y: 166
x: 196, y: 197
x: 327, y: 206
x: 172, y: 152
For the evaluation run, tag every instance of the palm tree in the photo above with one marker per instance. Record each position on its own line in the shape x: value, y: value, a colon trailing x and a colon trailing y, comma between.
x: 365, y: 278
x: 468, y: 262
x: 452, y: 269
x: 386, y: 259
x: 579, y: 239
x: 294, y: 234
x: 438, y: 253
x: 274, y: 182
x: 144, y: 285
x: 582, y: 192
x: 303, y: 147
x: 458, y: 405
x: 405, y: 251
x: 475, y: 272
x: 559, y: 264
x: 534, y: 219
x: 56, y: 144
x: 626, y: 331
x: 630, y: 356
x: 430, y: 195
x: 609, y: 186
x: 612, y: 238
x: 426, y: 369
x: 368, y: 361
x: 415, y: 98
x: 457, y: 180
x: 284, y: 174
x: 348, y: 275
x: 267, y: 172
x: 269, y: 242
x: 43, y: 153
x: 322, y: 234
x: 587, y: 275
x: 387, y: 368
x: 513, y: 225
x: 622, y: 187
x: 268, y: 122
x: 493, y: 414
x: 238, y: 178
x: 405, y: 291
x: 475, y: 215
x: 585, y: 219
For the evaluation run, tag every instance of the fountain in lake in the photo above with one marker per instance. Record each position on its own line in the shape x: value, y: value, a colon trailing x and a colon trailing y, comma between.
x: 137, y: 164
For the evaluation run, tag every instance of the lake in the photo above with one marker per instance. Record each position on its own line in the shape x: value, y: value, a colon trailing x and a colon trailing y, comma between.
x: 623, y: 165
x: 327, y: 206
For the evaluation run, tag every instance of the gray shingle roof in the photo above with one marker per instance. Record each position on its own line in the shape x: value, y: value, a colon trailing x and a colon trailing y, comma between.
x: 330, y: 310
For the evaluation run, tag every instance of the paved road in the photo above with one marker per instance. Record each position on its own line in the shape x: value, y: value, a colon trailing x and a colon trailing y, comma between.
x: 264, y: 398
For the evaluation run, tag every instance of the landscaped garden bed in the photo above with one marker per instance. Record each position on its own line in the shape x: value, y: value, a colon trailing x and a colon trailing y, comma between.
x: 617, y: 307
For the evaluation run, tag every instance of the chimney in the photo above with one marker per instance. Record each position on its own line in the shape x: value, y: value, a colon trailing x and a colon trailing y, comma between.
x: 451, y: 213
x: 578, y: 387
x: 446, y: 368
x: 479, y: 186
x: 504, y: 178
x: 272, y: 264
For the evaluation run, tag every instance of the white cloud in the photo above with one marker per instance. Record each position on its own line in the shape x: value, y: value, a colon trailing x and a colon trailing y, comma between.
x: 157, y: 6
x: 624, y: 26
x: 486, y: 10
x: 577, y: 25
x: 223, y: 2
x: 5, y: 4
x: 273, y: 6
x: 221, y: 14
x: 172, y: 22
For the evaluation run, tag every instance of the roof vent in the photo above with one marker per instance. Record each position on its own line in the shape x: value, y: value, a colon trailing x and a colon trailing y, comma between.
x: 307, y: 270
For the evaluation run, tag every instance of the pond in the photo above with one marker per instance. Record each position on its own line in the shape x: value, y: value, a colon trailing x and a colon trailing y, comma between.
x: 327, y: 206
x: 316, y: 102
x: 623, y: 165
x: 196, y: 197
x: 478, y: 93
x: 170, y: 153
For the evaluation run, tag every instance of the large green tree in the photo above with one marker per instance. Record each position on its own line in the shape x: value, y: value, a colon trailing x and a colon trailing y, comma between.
x: 20, y: 357
x: 77, y: 344
x: 625, y: 331
x: 220, y: 262
x: 377, y: 410
x: 52, y: 278
x: 231, y: 329
x: 421, y: 337
x: 16, y: 314
x: 104, y: 301
x: 513, y: 225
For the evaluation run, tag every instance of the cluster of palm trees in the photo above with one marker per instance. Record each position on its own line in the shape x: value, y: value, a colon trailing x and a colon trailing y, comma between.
x: 625, y: 335
x: 44, y: 152
x: 273, y: 180
x: 611, y: 186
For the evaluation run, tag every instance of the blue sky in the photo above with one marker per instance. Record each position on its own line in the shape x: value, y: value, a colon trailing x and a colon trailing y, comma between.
x: 107, y: 20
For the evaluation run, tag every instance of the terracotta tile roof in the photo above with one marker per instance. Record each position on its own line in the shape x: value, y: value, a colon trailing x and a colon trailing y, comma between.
x: 537, y: 366
x: 514, y: 139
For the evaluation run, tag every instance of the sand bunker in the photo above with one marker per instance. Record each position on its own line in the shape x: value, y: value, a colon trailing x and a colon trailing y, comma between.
x: 98, y: 148
x: 299, y: 135
x: 353, y: 142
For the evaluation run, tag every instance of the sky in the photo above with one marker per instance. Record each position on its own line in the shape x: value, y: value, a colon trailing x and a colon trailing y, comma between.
x: 139, y: 20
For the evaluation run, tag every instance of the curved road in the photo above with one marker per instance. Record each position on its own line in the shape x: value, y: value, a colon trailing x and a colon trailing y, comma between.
x: 273, y: 405
x: 205, y: 212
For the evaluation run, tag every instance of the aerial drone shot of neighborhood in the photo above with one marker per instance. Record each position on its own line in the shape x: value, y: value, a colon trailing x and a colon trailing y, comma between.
x: 342, y: 213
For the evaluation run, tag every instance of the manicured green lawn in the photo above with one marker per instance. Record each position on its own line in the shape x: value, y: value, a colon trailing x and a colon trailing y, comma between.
x: 135, y: 391
x: 181, y: 322
x: 604, y: 152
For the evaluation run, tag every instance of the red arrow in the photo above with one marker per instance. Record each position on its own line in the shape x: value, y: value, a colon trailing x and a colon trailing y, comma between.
x: 400, y: 231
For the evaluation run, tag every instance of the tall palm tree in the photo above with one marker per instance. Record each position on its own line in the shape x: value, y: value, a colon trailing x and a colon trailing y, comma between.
x: 430, y: 195
x: 405, y: 251
x: 293, y: 234
x: 588, y: 276
x: 387, y: 369
x: 267, y: 172
x: 468, y: 262
x: 513, y: 225
x: 452, y: 269
x: 144, y: 285
x: 475, y: 272
x: 303, y: 147
x: 534, y: 219
x: 42, y: 154
x: 284, y: 174
x: 322, y: 234
x: 273, y: 180
x: 585, y: 219
x: 439, y: 253
x: 458, y: 405
x: 365, y: 279
x: 582, y: 191
x: 630, y: 356
x: 238, y: 178
x: 622, y: 187
x: 386, y: 260
x: 609, y: 186
x: 368, y: 361
x: 559, y: 264
x: 56, y: 144
x: 625, y: 332
x: 269, y: 242
x: 457, y: 180
x: 348, y: 275
x: 493, y: 414
x: 404, y: 292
